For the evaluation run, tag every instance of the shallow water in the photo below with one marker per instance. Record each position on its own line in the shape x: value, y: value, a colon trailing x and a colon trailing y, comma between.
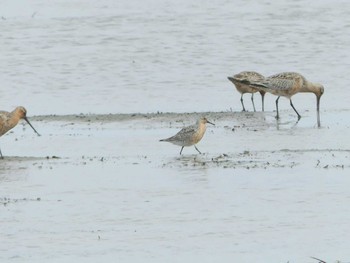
x: 101, y: 186
x: 67, y: 57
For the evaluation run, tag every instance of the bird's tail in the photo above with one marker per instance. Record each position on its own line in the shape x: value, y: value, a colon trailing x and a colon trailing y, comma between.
x: 259, y: 85
x: 255, y: 84
x: 166, y: 140
x: 234, y: 79
x: 238, y: 80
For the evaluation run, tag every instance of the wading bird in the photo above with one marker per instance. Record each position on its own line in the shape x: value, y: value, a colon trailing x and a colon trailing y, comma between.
x: 287, y: 84
x: 248, y: 76
x: 189, y: 135
x: 8, y: 120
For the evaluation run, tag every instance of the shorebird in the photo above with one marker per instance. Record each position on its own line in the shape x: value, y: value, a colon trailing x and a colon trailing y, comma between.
x: 189, y: 135
x: 8, y: 120
x: 249, y: 76
x: 287, y: 84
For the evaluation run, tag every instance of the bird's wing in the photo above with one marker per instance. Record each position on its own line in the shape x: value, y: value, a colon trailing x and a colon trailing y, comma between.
x: 284, y: 80
x: 183, y: 134
x: 186, y: 131
x: 278, y: 84
x: 249, y: 75
x: 281, y: 81
x: 3, y: 122
x: 248, y: 78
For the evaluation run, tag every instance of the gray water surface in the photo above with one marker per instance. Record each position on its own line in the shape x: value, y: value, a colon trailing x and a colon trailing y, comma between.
x: 66, y: 57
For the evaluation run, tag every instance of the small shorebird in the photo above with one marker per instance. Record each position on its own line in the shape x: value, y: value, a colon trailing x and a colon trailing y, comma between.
x: 249, y: 76
x: 189, y: 135
x: 287, y: 84
x: 8, y: 120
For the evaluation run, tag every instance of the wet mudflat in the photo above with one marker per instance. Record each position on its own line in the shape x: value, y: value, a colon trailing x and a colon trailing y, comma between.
x: 102, y: 187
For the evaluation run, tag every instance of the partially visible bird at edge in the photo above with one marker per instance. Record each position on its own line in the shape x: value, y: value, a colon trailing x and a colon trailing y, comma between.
x: 241, y: 81
x: 189, y: 135
x: 287, y: 84
x: 9, y: 120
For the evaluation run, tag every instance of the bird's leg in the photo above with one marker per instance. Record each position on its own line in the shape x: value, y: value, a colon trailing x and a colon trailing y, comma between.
x: 291, y: 104
x: 242, y: 102
x: 262, y: 93
x: 197, y: 149
x: 252, y: 98
x: 181, y: 149
x: 2, y: 157
x: 277, y: 116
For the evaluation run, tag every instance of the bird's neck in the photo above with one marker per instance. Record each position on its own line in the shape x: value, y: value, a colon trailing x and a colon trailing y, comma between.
x: 309, y: 87
x: 14, y: 118
x: 202, y: 127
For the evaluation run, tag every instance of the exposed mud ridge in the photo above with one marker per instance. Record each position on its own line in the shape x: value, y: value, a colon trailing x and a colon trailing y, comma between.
x: 284, y: 158
x: 159, y: 116
x: 7, y: 200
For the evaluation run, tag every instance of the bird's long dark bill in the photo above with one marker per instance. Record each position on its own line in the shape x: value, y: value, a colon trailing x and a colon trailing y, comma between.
x: 318, y: 112
x: 210, y: 123
x: 31, y: 125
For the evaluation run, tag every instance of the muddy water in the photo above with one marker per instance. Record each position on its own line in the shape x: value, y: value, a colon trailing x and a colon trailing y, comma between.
x: 99, y: 186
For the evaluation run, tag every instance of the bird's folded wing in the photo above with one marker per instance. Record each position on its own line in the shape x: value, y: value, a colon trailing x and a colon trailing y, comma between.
x: 186, y: 131
x: 274, y: 84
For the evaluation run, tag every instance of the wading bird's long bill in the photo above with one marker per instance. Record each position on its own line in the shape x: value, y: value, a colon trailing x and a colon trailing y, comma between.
x: 318, y: 111
x: 210, y: 123
x: 25, y: 118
